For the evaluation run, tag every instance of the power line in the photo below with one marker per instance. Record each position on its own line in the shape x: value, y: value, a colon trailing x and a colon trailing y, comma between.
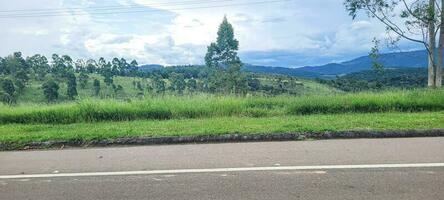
x: 137, y: 11
x: 40, y: 11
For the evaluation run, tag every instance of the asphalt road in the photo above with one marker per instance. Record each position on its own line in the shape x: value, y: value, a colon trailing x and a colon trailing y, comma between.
x: 410, y: 168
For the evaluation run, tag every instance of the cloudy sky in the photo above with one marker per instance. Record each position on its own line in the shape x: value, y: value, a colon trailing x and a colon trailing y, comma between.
x: 289, y: 33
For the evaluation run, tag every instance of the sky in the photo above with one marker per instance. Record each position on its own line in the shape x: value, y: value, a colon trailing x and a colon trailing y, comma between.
x: 286, y: 33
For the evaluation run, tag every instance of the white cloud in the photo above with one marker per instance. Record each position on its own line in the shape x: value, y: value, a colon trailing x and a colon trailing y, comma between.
x: 172, y: 33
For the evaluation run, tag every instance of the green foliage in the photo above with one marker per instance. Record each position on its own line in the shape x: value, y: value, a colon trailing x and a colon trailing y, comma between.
x: 15, y: 66
x: 96, y: 85
x: 374, y: 55
x: 51, y: 90
x: 39, y: 65
x: 72, y: 86
x: 139, y: 86
x: 399, y: 101
x: 254, y: 84
x: 178, y: 107
x: 83, y: 79
x: 191, y: 85
x: 223, y: 63
x: 178, y: 83
x: 3, y: 69
x: 91, y: 66
x: 159, y: 84
x: 15, y: 63
x: 61, y: 66
x: 107, y: 74
x: 8, y: 94
x: 374, y: 80
x: 21, y: 135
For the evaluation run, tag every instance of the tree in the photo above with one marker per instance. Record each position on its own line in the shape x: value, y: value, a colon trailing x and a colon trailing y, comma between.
x: 253, y: 84
x: 96, y: 85
x: 133, y: 68
x: 139, y: 86
x: 21, y: 79
x: 158, y: 84
x: 440, y: 63
x: 39, y: 65
x: 2, y: 66
x: 91, y: 66
x: 16, y: 66
x: 223, y: 64
x: 61, y: 66
x: 83, y: 79
x: 15, y: 63
x: 192, y: 85
x: 415, y: 21
x: 51, y: 90
x: 374, y: 56
x: 100, y: 65
x: 80, y: 65
x: 72, y: 86
x: 177, y: 83
x: 8, y: 94
x: 107, y: 74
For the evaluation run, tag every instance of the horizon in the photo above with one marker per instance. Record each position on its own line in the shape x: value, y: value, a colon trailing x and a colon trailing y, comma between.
x: 280, y: 33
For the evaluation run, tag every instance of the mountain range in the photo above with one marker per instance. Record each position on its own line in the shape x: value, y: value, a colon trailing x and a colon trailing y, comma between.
x: 410, y: 59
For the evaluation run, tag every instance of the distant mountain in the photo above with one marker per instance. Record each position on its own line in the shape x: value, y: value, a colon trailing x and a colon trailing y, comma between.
x: 150, y: 67
x: 411, y: 59
x: 280, y: 70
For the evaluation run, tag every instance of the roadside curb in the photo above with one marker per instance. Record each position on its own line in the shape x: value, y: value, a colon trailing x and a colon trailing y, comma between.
x: 226, y: 138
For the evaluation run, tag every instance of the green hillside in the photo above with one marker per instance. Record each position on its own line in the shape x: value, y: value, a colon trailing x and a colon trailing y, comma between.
x: 33, y: 92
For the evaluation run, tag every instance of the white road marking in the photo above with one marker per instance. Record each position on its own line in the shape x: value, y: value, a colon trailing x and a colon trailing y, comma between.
x: 218, y: 170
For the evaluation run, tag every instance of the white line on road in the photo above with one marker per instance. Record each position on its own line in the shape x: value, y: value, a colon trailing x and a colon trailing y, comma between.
x: 216, y: 170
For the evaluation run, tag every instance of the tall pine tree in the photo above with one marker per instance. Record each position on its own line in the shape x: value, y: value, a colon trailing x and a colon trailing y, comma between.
x: 223, y: 63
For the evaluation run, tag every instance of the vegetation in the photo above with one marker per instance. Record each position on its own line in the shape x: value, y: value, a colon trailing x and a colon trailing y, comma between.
x: 207, y: 106
x: 18, y: 136
x: 86, y: 100
x: 408, y: 78
x: 36, y: 79
x: 417, y: 21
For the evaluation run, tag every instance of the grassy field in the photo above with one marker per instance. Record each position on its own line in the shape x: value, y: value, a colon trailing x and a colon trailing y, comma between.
x: 207, y: 106
x: 94, y: 119
x: 19, y: 135
x: 33, y: 92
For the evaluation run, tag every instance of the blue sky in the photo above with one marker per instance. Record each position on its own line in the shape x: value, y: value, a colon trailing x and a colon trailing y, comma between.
x: 289, y: 33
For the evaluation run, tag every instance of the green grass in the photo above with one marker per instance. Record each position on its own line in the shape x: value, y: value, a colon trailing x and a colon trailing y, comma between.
x: 208, y: 106
x: 33, y: 92
x: 22, y: 134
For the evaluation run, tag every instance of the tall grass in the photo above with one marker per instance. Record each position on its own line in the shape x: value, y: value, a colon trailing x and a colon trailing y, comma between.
x: 206, y: 106
x: 400, y: 101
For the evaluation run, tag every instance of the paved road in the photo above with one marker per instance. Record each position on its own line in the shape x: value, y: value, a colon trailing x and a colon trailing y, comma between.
x: 335, y: 169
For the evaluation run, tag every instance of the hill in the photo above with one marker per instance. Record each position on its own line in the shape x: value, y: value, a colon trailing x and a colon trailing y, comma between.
x: 411, y: 59
x: 405, y: 78
x: 269, y: 85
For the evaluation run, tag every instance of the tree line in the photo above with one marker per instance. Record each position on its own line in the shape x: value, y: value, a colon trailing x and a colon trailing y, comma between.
x: 221, y: 74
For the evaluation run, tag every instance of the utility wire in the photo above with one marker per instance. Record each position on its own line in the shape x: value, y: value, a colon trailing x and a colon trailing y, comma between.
x: 135, y: 11
x: 55, y: 10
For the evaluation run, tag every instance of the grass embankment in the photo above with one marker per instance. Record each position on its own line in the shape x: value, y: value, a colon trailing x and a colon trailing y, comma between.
x: 204, y: 106
x: 19, y: 135
x: 93, y: 120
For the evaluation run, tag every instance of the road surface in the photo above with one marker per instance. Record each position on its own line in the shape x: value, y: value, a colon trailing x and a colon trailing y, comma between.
x: 411, y: 168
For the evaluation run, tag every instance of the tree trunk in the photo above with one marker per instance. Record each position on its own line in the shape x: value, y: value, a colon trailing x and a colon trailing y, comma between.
x: 432, y: 46
x: 438, y: 73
